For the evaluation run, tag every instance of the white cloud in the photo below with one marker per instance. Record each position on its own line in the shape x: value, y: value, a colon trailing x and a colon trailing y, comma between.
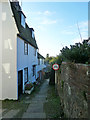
x: 48, y: 21
x: 83, y: 24
x: 47, y: 12
x: 43, y: 13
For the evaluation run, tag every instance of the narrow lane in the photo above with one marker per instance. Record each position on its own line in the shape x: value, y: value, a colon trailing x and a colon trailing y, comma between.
x: 35, y: 109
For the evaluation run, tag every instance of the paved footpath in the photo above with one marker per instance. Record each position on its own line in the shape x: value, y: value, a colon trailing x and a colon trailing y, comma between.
x: 35, y: 109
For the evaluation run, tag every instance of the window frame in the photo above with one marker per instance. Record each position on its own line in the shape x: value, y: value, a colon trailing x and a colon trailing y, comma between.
x: 42, y: 61
x: 25, y: 53
x: 23, y: 20
x: 24, y: 75
x: 33, y: 35
x: 34, y: 70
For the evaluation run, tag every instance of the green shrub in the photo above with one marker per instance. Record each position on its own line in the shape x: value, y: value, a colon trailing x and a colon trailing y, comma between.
x: 78, y: 53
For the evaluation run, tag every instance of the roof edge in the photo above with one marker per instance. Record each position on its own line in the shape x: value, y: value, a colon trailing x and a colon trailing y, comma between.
x: 26, y: 41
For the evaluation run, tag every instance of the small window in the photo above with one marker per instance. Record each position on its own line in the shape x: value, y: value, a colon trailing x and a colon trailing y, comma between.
x: 42, y: 61
x: 33, y: 36
x: 25, y: 75
x: 22, y: 20
x: 34, y: 70
x: 38, y: 61
x: 25, y: 48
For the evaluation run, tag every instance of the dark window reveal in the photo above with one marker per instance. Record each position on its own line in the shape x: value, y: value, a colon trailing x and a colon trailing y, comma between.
x: 34, y: 70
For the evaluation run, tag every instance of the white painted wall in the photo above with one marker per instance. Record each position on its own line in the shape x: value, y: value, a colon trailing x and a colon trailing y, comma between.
x: 8, y: 61
x: 0, y: 52
x: 24, y: 61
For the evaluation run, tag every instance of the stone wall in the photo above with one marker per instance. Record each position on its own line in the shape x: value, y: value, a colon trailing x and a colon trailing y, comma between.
x: 73, y: 86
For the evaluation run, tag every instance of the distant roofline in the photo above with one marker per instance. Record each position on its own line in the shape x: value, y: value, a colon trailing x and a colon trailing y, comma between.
x: 39, y: 55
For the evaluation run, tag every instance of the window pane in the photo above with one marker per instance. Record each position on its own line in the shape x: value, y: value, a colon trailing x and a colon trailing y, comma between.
x: 26, y: 48
x: 22, y: 20
x: 33, y: 34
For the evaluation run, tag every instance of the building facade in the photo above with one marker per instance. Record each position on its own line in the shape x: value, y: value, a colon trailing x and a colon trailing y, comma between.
x: 18, y: 50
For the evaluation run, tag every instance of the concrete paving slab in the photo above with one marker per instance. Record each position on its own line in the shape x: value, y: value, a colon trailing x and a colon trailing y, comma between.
x: 40, y: 99
x: 35, y: 106
x: 37, y: 102
x: 33, y: 110
x: 34, y: 115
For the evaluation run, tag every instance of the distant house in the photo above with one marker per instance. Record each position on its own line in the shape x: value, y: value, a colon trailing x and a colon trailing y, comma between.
x: 41, y: 66
x: 19, y: 63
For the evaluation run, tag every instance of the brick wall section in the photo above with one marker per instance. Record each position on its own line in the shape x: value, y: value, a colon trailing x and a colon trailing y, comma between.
x: 73, y: 86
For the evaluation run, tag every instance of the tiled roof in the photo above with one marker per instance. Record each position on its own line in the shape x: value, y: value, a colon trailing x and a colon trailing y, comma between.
x: 24, y: 33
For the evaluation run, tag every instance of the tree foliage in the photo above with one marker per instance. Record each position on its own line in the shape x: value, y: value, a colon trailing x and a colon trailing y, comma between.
x: 78, y: 53
x: 53, y: 60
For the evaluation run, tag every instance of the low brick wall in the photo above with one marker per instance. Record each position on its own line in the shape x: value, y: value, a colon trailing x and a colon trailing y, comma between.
x: 73, y: 85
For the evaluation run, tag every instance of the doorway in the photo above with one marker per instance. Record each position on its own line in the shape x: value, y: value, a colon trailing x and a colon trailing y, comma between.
x: 20, y: 82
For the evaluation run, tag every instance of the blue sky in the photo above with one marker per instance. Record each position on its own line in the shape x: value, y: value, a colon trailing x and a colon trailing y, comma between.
x: 55, y: 24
